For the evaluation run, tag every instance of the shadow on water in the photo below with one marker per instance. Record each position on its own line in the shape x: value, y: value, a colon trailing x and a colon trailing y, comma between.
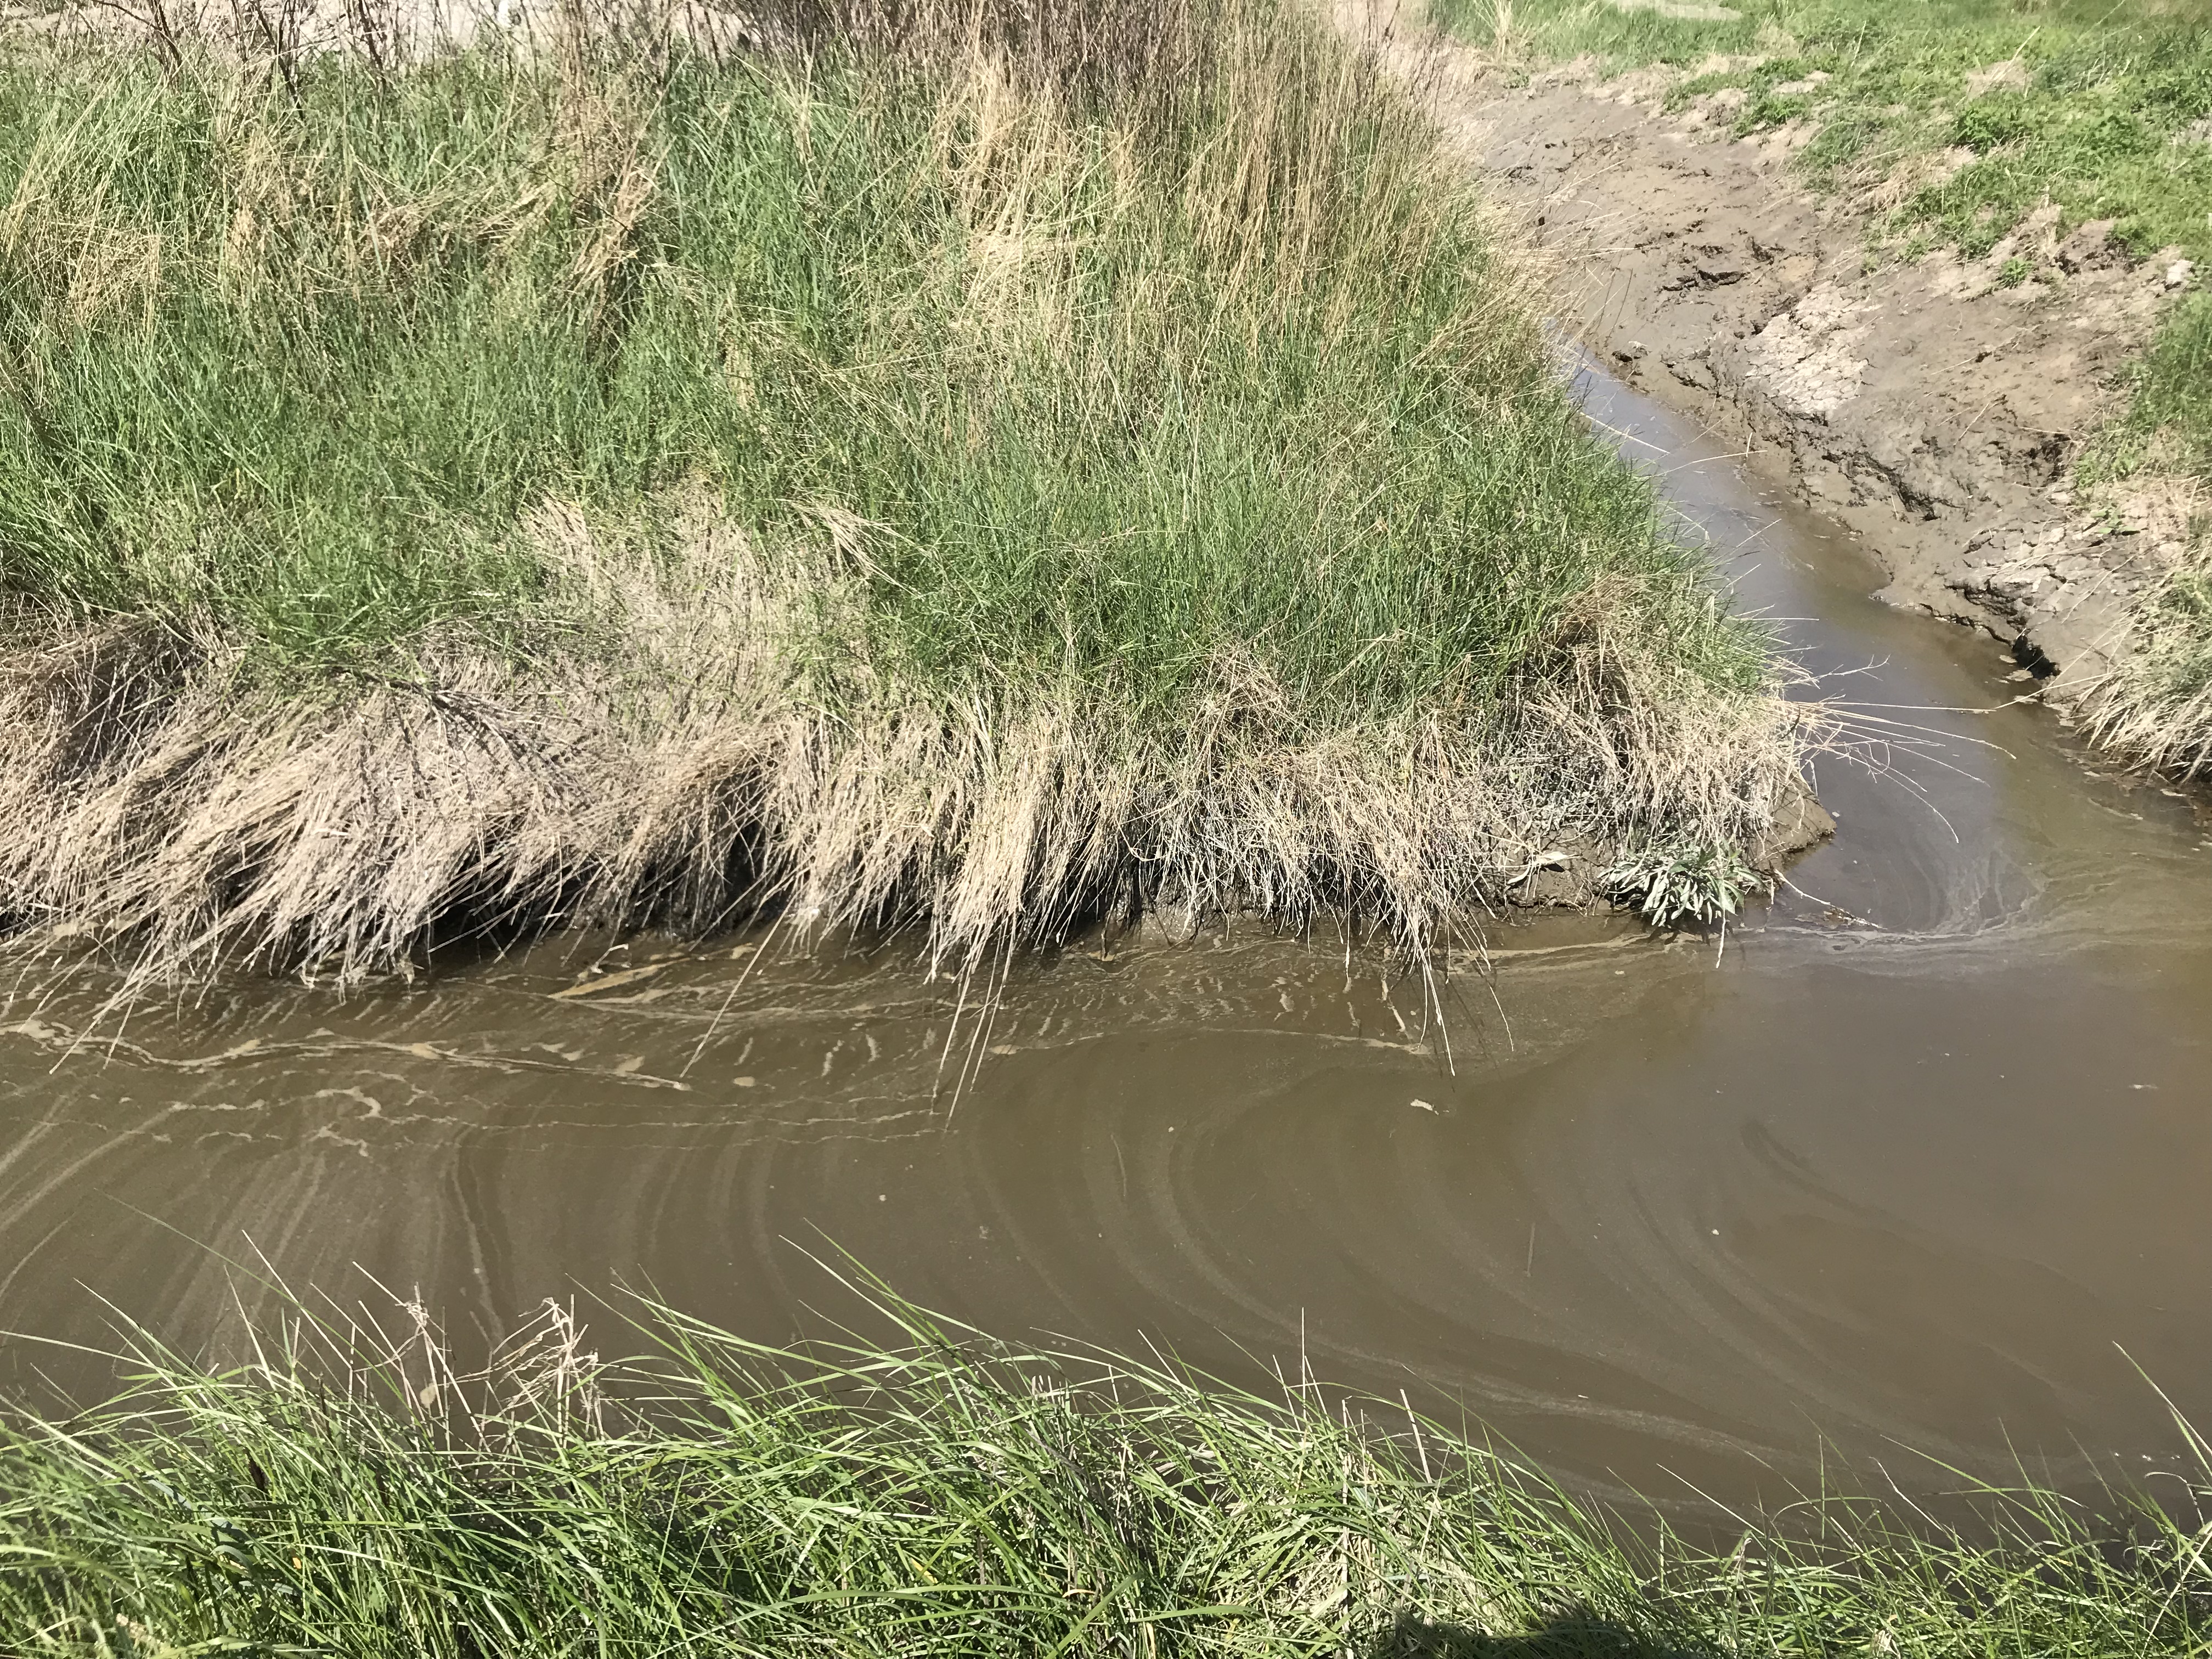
x: 1919, y: 1161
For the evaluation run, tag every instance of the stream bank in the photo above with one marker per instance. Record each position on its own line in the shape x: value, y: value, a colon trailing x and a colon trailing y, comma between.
x: 724, y: 541
x: 1932, y: 409
x: 1916, y: 1162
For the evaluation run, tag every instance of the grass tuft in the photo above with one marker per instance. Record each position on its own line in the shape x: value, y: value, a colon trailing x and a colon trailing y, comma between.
x: 949, y: 466
x: 346, y: 1492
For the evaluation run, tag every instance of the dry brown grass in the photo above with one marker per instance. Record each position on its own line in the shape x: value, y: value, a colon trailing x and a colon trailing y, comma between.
x: 2156, y: 706
x: 678, y: 756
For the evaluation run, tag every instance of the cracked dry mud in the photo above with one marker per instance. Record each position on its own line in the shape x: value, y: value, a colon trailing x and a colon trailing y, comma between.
x: 1933, y: 412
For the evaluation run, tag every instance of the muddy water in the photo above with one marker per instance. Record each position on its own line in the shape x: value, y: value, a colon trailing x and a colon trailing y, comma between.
x: 1919, y: 1161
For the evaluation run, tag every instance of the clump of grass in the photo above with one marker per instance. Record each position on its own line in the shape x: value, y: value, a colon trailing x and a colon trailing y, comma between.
x: 1706, y: 886
x: 2169, y: 425
x: 346, y: 1492
x: 2157, y: 704
x: 947, y: 465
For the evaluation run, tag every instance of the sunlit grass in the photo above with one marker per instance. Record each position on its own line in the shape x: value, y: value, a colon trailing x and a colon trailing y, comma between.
x: 1082, y: 395
x: 2096, y: 108
x: 347, y: 1494
x: 993, y: 463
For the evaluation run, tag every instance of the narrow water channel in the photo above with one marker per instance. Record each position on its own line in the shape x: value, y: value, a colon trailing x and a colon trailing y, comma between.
x: 1919, y: 1165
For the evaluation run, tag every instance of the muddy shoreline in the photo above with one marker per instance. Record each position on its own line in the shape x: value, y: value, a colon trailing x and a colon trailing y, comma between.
x: 1932, y: 413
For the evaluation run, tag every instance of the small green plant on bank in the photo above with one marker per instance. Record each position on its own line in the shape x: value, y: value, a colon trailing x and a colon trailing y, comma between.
x: 956, y: 1498
x: 1699, y: 886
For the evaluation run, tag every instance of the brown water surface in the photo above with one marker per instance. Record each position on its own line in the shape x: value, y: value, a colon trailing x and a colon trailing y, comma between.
x: 1919, y: 1161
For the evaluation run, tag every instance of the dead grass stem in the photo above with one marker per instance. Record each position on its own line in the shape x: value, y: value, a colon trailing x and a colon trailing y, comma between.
x: 685, y: 762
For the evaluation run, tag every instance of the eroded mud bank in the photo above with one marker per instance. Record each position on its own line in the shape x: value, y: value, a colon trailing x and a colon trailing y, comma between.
x: 1930, y: 409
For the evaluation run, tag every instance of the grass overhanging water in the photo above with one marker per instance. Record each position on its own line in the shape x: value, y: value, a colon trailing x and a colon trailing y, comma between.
x: 978, y: 465
x: 346, y: 1492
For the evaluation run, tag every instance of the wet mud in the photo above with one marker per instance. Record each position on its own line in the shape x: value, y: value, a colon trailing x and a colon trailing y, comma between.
x: 1926, y: 405
x: 1912, y: 1162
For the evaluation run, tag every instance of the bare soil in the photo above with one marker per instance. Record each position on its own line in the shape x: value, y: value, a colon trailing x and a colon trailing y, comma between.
x: 1933, y: 411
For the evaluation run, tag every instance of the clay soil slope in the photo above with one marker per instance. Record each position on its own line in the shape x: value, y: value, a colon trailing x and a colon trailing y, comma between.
x: 1932, y: 409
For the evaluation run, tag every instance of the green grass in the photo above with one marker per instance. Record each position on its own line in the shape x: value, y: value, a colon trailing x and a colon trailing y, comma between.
x: 1101, y: 405
x: 2170, y: 416
x: 347, y: 1495
x: 1013, y: 454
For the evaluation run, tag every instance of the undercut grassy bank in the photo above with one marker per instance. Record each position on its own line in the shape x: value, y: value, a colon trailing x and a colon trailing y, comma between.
x: 973, y: 467
x: 959, y: 1498
x: 2159, y: 706
x: 1957, y: 119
